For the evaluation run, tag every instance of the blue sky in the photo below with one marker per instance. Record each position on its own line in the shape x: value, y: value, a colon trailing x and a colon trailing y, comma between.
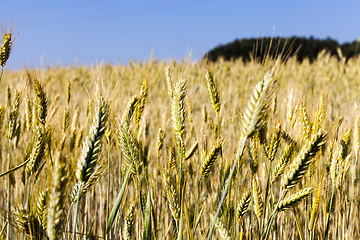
x: 118, y: 31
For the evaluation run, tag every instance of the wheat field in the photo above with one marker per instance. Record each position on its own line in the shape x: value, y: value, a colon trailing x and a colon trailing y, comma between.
x: 182, y: 150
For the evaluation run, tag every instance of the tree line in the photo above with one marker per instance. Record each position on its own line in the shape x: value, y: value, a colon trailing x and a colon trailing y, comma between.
x: 249, y: 48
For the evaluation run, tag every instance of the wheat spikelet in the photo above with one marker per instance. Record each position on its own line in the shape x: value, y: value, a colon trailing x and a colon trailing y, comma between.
x: 224, y: 233
x: 258, y: 104
x: 5, y: 47
x: 91, y: 147
x: 160, y: 143
x: 28, y: 113
x: 243, y: 205
x: 56, y: 199
x: 258, y: 198
x: 339, y: 167
x: 89, y: 169
x: 340, y: 161
x: 304, y: 122
x: 316, y: 201
x: 346, y: 144
x: 41, y: 102
x: 29, y: 223
x: 172, y: 159
x: 274, y: 143
x: 72, y: 140
x: 283, y: 162
x: 141, y: 102
x: 129, y: 111
x: 171, y: 195
x: 42, y: 208
x: 65, y: 120
x: 130, y: 149
x: 2, y: 116
x: 319, y: 116
x: 204, y: 114
x: 37, y: 152
x: 191, y: 151
x: 213, y: 92
x: 253, y: 154
x: 294, y: 199
x: 209, y: 161
x: 177, y: 108
x: 13, y: 116
x: 335, y: 165
x: 344, y: 168
x: 301, y: 163
x: 129, y: 222
x: 169, y: 83
x: 68, y: 92
x: 290, y: 109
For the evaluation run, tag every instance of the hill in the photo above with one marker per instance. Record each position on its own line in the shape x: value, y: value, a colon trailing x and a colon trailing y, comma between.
x: 303, y: 47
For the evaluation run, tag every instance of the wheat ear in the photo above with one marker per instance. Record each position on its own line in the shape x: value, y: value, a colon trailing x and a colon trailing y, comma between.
x: 56, y: 199
x: 13, y: 116
x: 129, y: 222
x: 5, y: 48
x: 42, y: 208
x: 243, y: 205
x: 283, y: 162
x: 171, y: 195
x: 301, y: 163
x: 41, y: 102
x: 209, y: 161
x: 140, y: 105
x: 294, y: 199
x: 38, y: 151
x: 213, y: 92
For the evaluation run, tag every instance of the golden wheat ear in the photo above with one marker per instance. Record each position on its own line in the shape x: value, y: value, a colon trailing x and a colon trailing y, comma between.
x: 301, y: 163
x: 256, y: 111
x: 5, y: 47
x: 294, y: 199
x: 258, y: 198
x: 129, y: 224
x: 56, y: 201
x: 171, y: 195
x: 243, y: 205
x: 209, y: 161
x: 41, y: 102
x: 224, y: 233
x: 213, y: 92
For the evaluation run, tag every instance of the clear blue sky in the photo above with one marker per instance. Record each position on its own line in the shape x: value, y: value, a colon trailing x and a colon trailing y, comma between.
x: 118, y: 31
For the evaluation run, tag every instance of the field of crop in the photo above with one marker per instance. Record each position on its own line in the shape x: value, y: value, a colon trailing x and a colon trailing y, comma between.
x: 165, y: 150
